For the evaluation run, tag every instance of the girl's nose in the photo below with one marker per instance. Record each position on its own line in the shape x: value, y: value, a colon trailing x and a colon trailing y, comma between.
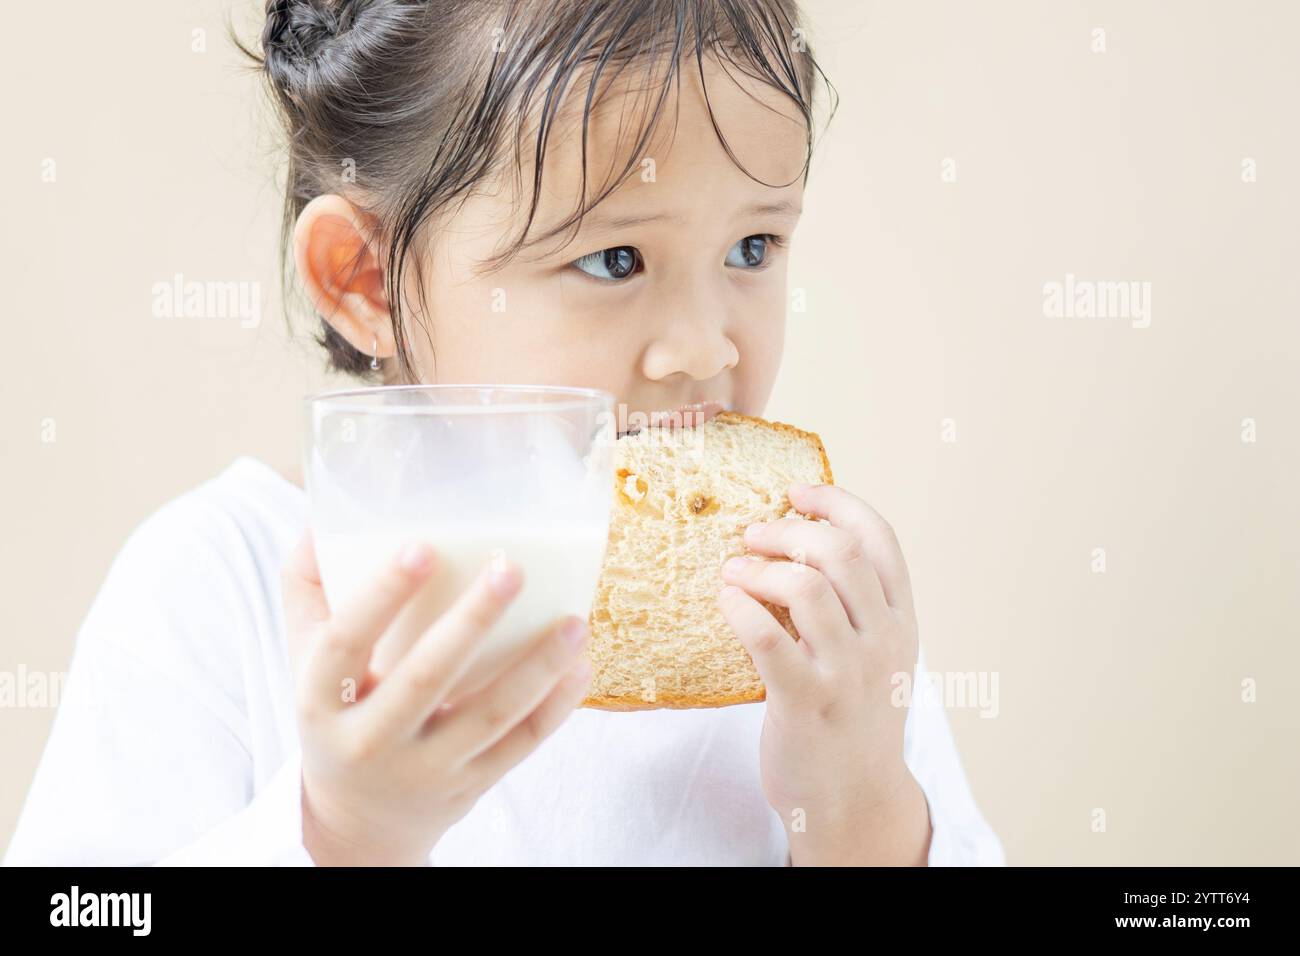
x: 693, y: 345
x: 691, y: 333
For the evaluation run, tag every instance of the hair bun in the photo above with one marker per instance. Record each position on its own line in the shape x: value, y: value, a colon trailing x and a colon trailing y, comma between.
x: 299, y: 35
x: 300, y: 29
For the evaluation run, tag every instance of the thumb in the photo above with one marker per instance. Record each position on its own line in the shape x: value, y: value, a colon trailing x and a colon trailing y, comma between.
x: 304, y: 600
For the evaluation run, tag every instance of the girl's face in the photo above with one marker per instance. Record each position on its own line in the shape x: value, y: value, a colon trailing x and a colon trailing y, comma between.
x: 673, y: 292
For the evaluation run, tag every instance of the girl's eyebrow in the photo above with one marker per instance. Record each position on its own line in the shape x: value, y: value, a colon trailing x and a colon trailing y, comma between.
x: 599, y: 224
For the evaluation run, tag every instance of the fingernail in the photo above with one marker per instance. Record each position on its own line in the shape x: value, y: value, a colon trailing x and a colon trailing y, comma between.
x: 728, y: 591
x: 501, y: 574
x: 735, y: 565
x: 753, y: 529
x: 415, y: 557
x: 574, y: 631
x: 799, y: 487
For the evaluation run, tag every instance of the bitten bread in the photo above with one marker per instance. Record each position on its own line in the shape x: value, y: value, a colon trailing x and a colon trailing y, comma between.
x: 682, y: 500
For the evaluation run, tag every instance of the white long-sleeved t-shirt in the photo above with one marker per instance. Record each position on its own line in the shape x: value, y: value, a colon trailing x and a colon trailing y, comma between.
x: 175, y: 739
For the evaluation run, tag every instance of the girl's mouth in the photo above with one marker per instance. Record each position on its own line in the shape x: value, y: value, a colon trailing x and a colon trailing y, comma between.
x: 684, y: 416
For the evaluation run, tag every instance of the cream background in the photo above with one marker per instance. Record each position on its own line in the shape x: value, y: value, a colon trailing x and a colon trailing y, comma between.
x: 1119, y: 690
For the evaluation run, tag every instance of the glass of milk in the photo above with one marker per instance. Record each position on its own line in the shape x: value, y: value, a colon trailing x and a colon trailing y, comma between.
x: 524, y: 470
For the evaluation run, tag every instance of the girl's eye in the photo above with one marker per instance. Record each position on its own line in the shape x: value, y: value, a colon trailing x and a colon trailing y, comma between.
x: 750, y: 252
x: 619, y: 262
x: 616, y: 263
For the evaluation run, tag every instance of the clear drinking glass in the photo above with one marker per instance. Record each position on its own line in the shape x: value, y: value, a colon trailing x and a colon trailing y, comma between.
x: 472, y: 469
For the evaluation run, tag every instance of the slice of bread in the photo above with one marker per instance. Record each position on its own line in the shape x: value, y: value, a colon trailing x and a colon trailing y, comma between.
x: 682, y: 500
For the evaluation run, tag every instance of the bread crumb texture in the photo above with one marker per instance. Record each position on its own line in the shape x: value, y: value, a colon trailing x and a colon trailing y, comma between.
x: 682, y: 500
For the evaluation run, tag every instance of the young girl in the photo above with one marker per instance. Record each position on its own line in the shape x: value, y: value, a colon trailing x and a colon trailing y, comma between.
x: 574, y: 193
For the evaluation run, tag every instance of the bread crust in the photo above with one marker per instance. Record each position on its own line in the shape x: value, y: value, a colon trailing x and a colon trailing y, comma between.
x: 685, y: 701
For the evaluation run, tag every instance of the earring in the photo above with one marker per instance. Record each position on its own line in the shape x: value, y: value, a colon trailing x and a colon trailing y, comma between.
x: 374, y: 357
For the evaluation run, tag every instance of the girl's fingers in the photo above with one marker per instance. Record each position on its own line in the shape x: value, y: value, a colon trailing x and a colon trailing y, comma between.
x: 815, y: 608
x: 523, y: 738
x: 342, y: 646
x: 847, y: 511
x: 781, y: 662
x: 422, y: 677
x: 304, y: 601
x: 373, y: 608
x: 480, y: 719
x: 836, y: 553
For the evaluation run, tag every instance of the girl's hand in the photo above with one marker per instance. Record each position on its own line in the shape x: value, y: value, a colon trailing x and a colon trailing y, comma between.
x: 386, y: 768
x: 832, y: 741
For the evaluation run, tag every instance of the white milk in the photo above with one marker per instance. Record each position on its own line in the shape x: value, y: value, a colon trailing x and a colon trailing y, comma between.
x: 560, y: 562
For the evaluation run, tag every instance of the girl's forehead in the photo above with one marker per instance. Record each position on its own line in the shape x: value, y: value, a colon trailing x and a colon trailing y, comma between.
x: 763, y: 128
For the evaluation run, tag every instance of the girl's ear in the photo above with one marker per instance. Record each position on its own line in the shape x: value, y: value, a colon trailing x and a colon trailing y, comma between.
x: 339, y: 267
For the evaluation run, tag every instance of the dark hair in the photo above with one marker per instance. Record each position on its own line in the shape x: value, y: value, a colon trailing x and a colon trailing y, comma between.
x: 391, y: 90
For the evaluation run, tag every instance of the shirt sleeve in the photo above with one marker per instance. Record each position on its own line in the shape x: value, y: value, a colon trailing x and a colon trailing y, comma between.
x: 960, y: 836
x: 149, y: 760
